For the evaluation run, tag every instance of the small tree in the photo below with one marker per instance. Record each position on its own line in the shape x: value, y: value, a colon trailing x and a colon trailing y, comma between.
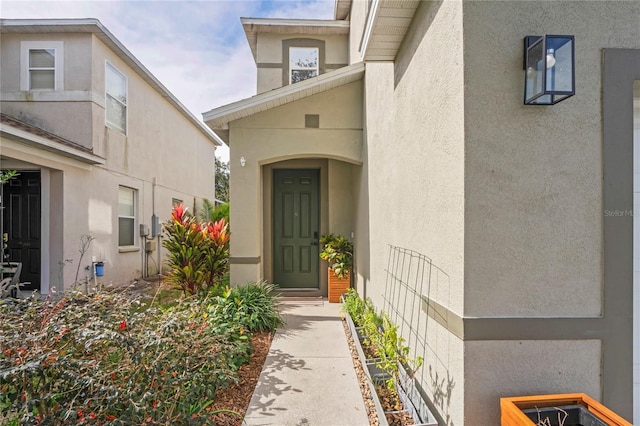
x: 210, y: 212
x: 222, y: 180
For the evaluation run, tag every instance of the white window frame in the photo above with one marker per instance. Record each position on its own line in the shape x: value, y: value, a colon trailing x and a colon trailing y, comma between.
x: 107, y: 67
x: 134, y: 192
x: 293, y: 68
x: 58, y: 48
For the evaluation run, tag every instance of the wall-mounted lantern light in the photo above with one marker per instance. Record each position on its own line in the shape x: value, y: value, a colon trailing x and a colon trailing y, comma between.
x: 549, y: 69
x: 243, y: 162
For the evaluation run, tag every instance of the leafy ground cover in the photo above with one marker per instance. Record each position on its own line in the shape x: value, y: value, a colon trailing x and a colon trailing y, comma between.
x: 110, y: 358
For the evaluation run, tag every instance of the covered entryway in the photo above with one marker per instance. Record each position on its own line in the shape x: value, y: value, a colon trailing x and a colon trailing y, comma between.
x: 296, y: 161
x: 21, y: 216
x: 296, y: 228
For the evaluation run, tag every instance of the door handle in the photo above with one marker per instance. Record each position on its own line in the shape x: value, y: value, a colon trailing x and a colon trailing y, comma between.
x: 315, y: 235
x: 314, y: 243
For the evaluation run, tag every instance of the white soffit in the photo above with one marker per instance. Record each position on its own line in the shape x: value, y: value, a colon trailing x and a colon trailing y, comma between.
x: 387, y: 23
x: 253, y: 26
x: 95, y: 27
x: 219, y: 118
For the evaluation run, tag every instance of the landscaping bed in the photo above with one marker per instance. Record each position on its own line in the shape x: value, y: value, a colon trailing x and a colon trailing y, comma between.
x: 383, y: 365
x: 108, y: 358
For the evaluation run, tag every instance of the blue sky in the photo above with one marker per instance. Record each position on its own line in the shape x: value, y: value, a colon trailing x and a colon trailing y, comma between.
x: 197, y: 49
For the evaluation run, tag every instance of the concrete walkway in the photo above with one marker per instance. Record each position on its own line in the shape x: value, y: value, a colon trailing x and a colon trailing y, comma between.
x: 308, y: 377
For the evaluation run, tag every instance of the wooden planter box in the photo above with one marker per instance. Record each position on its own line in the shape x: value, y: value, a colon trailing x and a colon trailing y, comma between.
x: 337, y: 286
x: 525, y: 410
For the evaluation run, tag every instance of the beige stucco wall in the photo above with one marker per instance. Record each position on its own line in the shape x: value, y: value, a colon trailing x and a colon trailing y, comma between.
x: 278, y: 138
x: 533, y: 175
x: 52, y: 112
x: 495, y: 369
x: 415, y: 181
x: 163, y: 156
x: 533, y: 195
x: 269, y: 51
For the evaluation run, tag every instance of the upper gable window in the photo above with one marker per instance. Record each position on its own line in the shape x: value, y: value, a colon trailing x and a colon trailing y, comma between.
x: 41, y: 65
x: 116, y: 96
x: 303, y: 63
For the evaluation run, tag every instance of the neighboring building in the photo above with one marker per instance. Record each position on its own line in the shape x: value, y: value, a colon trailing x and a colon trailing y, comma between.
x: 421, y: 150
x: 101, y: 146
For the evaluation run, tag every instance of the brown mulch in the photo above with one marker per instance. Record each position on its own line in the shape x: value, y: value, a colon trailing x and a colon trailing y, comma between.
x: 238, y: 396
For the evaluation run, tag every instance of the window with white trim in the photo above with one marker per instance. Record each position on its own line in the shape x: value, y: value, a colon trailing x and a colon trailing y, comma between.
x: 303, y: 63
x: 41, y: 65
x: 116, y: 98
x: 126, y: 216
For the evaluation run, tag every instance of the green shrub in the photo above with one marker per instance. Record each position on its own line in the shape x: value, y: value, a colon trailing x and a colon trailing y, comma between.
x: 100, y: 359
x: 354, y: 306
x: 253, y: 305
x: 212, y: 213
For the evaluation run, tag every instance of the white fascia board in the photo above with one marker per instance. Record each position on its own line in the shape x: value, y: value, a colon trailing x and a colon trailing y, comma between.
x: 274, y: 22
x: 369, y: 26
x: 238, y: 108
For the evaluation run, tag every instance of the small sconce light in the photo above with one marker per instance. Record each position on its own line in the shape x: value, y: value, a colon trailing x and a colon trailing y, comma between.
x: 243, y: 162
x: 549, y: 69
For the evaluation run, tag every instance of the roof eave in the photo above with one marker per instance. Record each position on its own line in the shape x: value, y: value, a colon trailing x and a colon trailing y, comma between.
x: 26, y: 138
x: 253, y: 26
x: 218, y: 119
x: 387, y: 24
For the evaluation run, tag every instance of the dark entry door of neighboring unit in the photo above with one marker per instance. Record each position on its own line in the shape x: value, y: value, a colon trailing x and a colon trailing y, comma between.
x: 296, y: 223
x: 21, y: 216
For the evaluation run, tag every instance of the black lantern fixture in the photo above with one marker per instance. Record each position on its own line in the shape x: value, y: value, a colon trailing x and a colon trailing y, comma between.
x: 549, y: 69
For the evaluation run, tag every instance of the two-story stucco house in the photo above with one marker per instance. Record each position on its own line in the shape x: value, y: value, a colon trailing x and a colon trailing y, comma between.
x: 499, y: 235
x: 102, y: 149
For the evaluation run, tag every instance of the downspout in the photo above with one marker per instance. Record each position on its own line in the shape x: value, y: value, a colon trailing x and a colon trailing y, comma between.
x: 156, y: 225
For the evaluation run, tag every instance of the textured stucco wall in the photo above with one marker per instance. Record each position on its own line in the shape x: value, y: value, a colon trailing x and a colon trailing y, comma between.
x: 50, y: 113
x: 160, y: 144
x: 533, y: 197
x: 269, y: 51
x: 495, y: 369
x: 533, y: 174
x: 415, y: 152
x: 268, y: 139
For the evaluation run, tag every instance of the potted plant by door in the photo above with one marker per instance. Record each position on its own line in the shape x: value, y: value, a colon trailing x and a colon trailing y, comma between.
x: 338, y: 252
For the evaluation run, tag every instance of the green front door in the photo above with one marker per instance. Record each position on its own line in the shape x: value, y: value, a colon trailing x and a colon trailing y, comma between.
x: 296, y: 223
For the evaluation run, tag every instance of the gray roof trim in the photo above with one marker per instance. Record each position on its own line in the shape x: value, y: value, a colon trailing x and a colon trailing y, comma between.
x: 253, y: 26
x: 218, y: 119
x: 94, y: 26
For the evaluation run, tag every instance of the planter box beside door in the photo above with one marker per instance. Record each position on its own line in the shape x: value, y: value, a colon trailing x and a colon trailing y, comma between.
x: 337, y: 286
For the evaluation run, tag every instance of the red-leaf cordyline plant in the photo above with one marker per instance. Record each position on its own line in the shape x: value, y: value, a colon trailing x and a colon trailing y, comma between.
x: 217, y: 256
x: 198, y: 252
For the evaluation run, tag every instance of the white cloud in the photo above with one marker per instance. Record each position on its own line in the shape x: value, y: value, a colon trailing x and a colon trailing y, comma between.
x: 197, y: 49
